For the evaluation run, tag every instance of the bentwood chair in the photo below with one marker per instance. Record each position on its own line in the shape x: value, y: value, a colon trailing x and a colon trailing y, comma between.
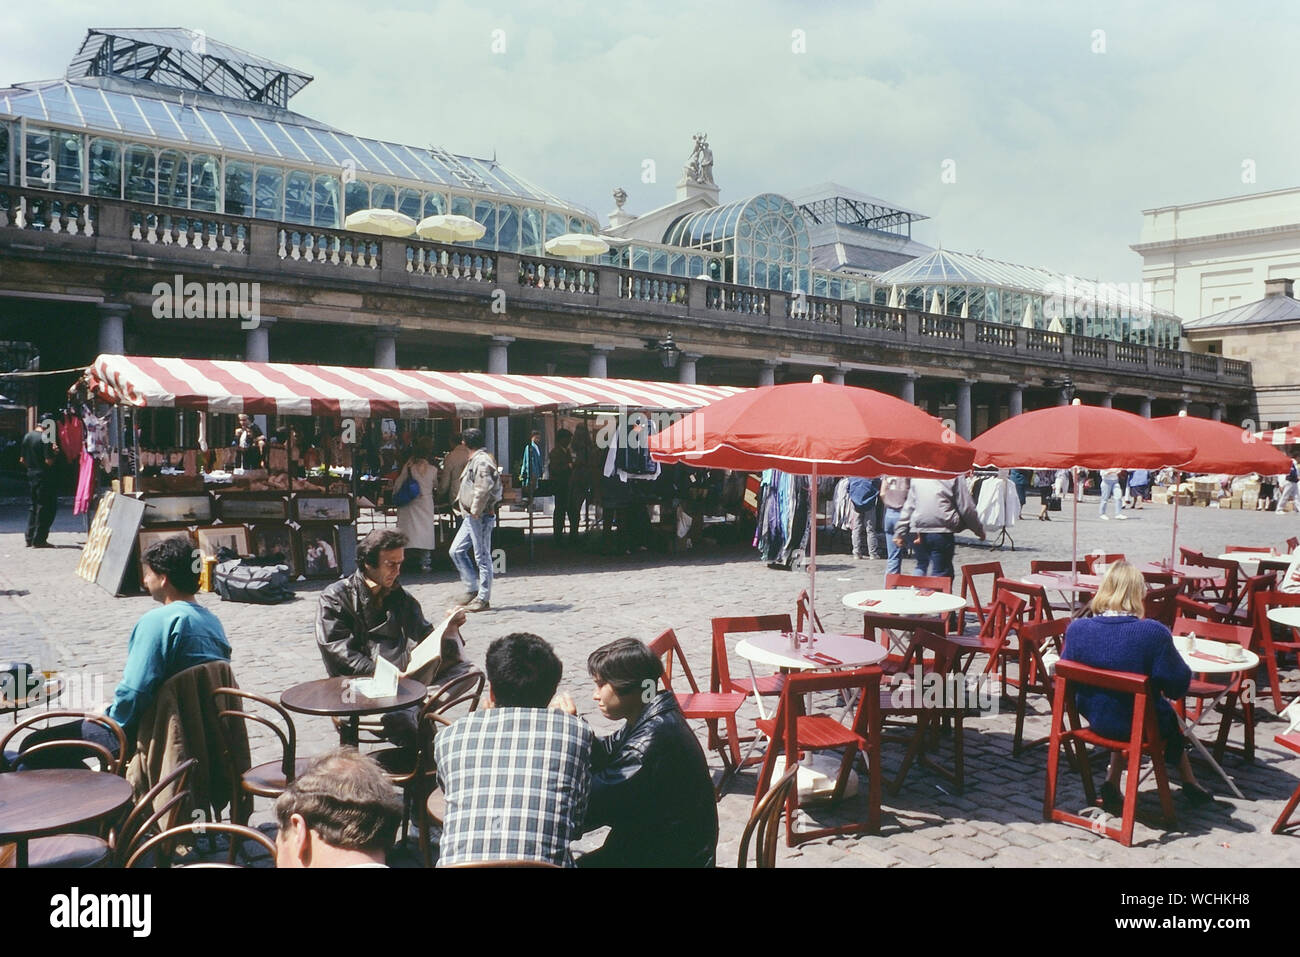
x: 1144, y: 739
x: 149, y: 814
x: 270, y: 778
x: 764, y: 822
x: 161, y: 847
x: 108, y: 762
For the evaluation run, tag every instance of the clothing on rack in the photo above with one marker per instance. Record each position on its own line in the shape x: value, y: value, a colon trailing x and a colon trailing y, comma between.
x: 783, y: 526
x: 85, y: 484
x: 842, y: 506
x: 71, y: 434
x: 998, y: 502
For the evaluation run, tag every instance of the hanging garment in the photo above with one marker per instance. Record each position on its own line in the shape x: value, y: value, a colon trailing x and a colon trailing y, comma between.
x: 85, y: 484
x: 998, y: 505
x: 783, y: 517
x: 72, y: 436
x: 631, y: 460
x: 842, y: 510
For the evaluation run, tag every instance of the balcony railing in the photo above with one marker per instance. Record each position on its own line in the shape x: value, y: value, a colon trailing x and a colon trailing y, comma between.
x: 90, y: 225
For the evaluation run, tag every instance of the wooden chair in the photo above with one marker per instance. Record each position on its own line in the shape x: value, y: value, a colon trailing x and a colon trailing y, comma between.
x: 463, y: 688
x: 1241, y: 612
x: 1038, y: 606
x: 970, y: 589
x: 1266, y: 550
x: 1279, y: 565
x: 262, y: 780
x: 1144, y: 738
x: 1191, y: 608
x: 1104, y: 558
x: 1202, y: 690
x: 720, y: 677
x: 935, y: 582
x: 1267, y: 644
x: 790, y: 732
x: 431, y: 803
x: 1160, y: 603
x: 1032, y: 672
x: 896, y: 630
x: 1219, y: 590
x: 1292, y: 544
x: 187, y: 833
x: 710, y: 707
x: 801, y: 608
x: 1084, y: 565
x: 148, y: 813
x: 1291, y: 742
x: 109, y: 763
x: 545, y: 865
x: 904, y: 699
x: 994, y: 639
x: 764, y: 822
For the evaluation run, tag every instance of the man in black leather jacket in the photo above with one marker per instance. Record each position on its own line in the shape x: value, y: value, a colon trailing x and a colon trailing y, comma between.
x: 650, y: 781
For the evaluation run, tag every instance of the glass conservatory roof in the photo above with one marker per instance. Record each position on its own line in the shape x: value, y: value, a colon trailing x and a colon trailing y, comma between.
x: 713, y: 226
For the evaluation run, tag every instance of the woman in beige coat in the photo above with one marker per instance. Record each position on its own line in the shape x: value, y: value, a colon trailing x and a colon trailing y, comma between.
x: 417, y: 520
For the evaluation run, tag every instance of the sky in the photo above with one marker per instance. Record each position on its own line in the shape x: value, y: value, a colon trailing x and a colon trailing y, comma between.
x: 1032, y: 131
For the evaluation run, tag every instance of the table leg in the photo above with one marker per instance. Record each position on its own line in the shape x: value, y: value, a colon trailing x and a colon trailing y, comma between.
x: 1189, y: 729
x: 350, y: 731
x: 758, y: 698
x: 21, y: 852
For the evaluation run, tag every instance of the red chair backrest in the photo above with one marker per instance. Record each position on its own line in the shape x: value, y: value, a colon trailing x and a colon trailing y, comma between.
x: 719, y: 668
x: 936, y: 582
x: 1039, y: 634
x: 801, y: 613
x: 1190, y: 608
x: 1070, y: 674
x: 1189, y: 556
x: 667, y: 647
x: 1160, y: 604
x: 1035, y: 597
x: 1006, y: 613
x: 1228, y: 566
x: 1247, y: 548
x: 1213, y: 630
x: 1084, y: 565
x: 969, y: 590
x: 1255, y: 585
x: 1264, y: 600
x: 1292, y: 543
x: 1105, y: 558
x: 797, y: 685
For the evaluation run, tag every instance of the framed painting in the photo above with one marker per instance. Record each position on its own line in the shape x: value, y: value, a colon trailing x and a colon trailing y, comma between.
x: 323, y: 508
x: 177, y: 509
x: 252, y: 507
x: 319, y: 551
x: 270, y: 540
x: 213, y: 538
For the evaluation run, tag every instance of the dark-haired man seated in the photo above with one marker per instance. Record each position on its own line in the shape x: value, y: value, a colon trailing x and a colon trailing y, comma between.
x: 370, y: 615
x: 165, y: 641
x: 344, y: 812
x: 516, y: 775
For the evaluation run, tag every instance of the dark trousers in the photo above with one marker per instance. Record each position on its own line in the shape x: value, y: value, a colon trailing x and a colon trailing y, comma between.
x: 64, y: 757
x: 45, y: 503
x: 934, y: 554
x: 566, y: 505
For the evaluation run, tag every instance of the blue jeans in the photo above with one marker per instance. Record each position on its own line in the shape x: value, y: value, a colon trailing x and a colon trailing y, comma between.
x: 895, y: 552
x: 934, y: 554
x: 474, y: 535
x: 1109, y: 490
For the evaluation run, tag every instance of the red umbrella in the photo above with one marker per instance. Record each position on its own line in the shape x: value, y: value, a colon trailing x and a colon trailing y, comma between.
x: 1079, y: 436
x: 815, y: 428
x: 1220, y: 447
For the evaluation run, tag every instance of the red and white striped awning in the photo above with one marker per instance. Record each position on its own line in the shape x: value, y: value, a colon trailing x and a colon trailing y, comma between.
x: 291, y: 389
x: 1287, y: 436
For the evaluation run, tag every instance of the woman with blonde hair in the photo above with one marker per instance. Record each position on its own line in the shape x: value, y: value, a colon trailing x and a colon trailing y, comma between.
x: 1118, y: 638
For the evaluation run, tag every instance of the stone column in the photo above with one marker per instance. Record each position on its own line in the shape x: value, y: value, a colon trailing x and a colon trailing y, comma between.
x: 964, y: 409
x: 1016, y: 401
x: 767, y: 372
x: 257, y: 341
x: 686, y: 367
x: 837, y: 375
x: 386, y: 348
x: 1108, y: 400
x: 597, y: 364
x: 909, y: 387
x: 1145, y: 408
x: 499, y: 364
x: 112, y: 328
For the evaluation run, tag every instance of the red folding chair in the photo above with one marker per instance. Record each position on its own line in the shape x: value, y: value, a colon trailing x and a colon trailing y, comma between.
x: 1144, y: 738
x: 1038, y: 607
x: 792, y: 731
x: 994, y: 638
x: 802, y: 608
x: 1267, y: 644
x: 1032, y: 674
x: 1291, y: 742
x: 1220, y: 590
x: 1190, y: 608
x: 933, y: 582
x: 720, y: 678
x: 1160, y: 603
x: 1292, y: 544
x: 1241, y: 612
x: 1266, y: 550
x: 1202, y: 690
x: 970, y: 588
x: 896, y: 628
x: 710, y: 707
x: 1084, y: 565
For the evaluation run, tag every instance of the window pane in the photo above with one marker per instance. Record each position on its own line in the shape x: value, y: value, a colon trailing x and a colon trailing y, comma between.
x: 677, y: 264
x: 555, y: 225
x: 485, y: 212
x: 173, y: 178
x: 435, y: 204
x: 531, y: 238
x: 462, y: 206
x: 641, y: 258
x: 5, y: 165
x: 356, y: 196
x: 383, y: 196
x: 270, y: 202
x: 40, y: 171
x: 239, y: 188
x: 297, y: 198
x: 742, y: 272
x: 203, y: 182
x: 140, y: 175
x: 508, y: 228
x: 696, y: 268
x: 326, y: 211
x: 408, y: 203
x: 575, y: 225
x: 659, y: 261
x: 105, y: 168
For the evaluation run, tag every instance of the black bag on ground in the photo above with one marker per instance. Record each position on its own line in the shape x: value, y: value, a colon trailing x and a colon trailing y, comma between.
x: 1054, y: 503
x: 237, y: 580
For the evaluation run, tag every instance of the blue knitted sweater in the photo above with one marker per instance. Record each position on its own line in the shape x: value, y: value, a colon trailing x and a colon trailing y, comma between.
x: 1126, y: 643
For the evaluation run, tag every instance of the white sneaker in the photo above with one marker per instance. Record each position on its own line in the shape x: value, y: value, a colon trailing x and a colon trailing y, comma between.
x: 1105, y: 518
x: 1121, y: 516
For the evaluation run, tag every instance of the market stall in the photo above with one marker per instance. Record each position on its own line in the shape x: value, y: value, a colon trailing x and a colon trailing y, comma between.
x: 303, y: 505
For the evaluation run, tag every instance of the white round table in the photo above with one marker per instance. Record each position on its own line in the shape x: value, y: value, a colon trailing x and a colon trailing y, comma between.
x: 904, y: 602
x: 1062, y: 582
x: 1212, y: 658
x: 1290, y: 617
x: 1249, y: 561
x: 1194, y: 572
x: 772, y: 648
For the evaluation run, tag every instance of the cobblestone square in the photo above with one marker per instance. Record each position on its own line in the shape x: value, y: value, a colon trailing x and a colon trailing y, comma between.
x: 578, y: 601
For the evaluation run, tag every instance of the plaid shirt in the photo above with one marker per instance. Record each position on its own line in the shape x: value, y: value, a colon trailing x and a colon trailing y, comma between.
x: 516, y: 782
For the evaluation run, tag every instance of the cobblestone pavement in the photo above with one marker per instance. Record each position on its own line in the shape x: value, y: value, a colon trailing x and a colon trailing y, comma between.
x: 578, y: 601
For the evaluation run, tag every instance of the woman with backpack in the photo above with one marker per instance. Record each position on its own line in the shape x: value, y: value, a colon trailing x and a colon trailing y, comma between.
x: 413, y: 491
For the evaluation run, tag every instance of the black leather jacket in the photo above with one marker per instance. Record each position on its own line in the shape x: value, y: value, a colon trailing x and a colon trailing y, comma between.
x: 351, y: 627
x: 650, y: 783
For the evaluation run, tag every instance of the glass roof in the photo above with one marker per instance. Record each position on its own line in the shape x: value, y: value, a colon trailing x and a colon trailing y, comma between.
x: 116, y: 107
x: 944, y: 267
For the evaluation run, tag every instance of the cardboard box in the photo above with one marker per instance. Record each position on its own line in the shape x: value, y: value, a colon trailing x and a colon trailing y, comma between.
x: 1250, y: 498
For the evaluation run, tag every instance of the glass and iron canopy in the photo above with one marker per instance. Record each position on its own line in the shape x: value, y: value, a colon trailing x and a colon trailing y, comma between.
x: 763, y: 240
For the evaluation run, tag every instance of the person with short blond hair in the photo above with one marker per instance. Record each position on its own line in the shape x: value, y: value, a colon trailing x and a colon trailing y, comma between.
x: 1118, y: 638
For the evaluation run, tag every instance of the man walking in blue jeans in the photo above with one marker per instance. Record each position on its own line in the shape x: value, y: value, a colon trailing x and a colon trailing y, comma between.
x: 893, y: 495
x: 479, y: 494
x: 1110, y: 489
x: 934, y: 511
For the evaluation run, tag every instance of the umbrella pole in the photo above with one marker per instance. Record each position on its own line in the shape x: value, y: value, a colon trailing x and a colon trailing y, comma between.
x: 1074, y: 533
x: 1173, y: 547
x: 812, y: 556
